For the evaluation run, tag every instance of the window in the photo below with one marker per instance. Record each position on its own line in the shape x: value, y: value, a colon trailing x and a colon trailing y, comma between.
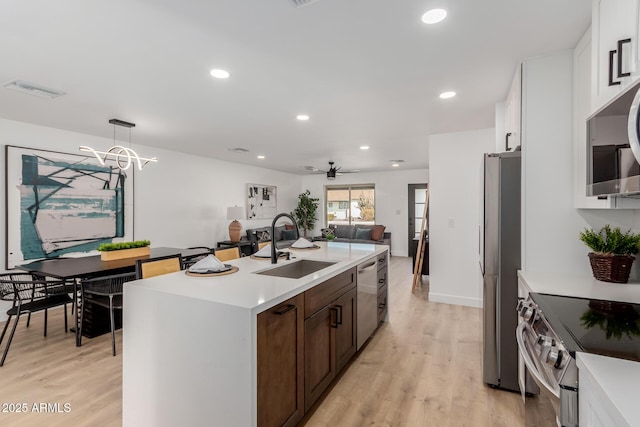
x: 355, y: 204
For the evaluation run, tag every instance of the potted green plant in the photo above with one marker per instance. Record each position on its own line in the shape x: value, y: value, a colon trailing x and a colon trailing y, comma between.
x: 305, y: 212
x: 613, y: 251
x: 112, y: 251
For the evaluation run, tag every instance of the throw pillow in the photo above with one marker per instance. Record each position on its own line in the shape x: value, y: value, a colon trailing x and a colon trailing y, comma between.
x: 263, y: 235
x: 363, y: 234
x: 288, y: 234
x: 377, y: 232
x: 343, y: 231
x: 289, y: 227
x: 326, y: 231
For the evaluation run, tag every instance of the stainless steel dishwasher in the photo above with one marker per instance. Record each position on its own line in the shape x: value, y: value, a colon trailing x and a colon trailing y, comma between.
x: 367, y: 299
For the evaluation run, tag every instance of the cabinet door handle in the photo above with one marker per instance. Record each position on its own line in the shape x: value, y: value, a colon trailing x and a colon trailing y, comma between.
x: 334, y: 323
x: 620, y: 43
x: 339, y: 321
x: 611, y: 55
x: 506, y: 140
x: 284, y: 310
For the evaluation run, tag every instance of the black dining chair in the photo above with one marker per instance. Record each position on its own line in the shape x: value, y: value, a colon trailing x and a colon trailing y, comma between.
x: 30, y: 295
x: 105, y: 291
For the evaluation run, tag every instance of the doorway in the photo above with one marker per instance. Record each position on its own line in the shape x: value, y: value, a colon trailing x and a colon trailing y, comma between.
x: 417, y: 198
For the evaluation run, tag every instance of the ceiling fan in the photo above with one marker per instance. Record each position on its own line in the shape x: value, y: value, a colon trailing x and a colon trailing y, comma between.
x: 332, y: 172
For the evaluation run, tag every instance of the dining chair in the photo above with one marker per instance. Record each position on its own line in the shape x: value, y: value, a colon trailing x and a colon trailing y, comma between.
x: 29, y: 295
x: 263, y: 244
x: 227, y: 254
x: 105, y: 291
x: 189, y: 261
x: 151, y: 267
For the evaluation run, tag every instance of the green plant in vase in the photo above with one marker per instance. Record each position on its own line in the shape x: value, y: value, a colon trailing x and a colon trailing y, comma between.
x: 612, y: 254
x: 305, y: 212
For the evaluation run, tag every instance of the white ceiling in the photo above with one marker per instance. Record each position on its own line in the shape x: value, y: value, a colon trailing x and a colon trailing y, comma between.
x: 366, y: 71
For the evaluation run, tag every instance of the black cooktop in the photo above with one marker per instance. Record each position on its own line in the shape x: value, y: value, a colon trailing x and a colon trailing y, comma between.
x: 608, y: 328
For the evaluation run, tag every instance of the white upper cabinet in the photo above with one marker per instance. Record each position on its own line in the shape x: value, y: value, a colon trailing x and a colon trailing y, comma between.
x: 513, y: 112
x: 614, y: 48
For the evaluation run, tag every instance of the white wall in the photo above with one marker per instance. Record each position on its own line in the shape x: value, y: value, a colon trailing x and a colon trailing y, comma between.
x: 180, y: 201
x: 392, y: 199
x: 455, y: 176
x: 551, y: 225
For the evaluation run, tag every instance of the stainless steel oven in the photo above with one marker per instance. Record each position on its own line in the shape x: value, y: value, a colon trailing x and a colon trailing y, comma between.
x: 553, y: 328
x: 544, y: 357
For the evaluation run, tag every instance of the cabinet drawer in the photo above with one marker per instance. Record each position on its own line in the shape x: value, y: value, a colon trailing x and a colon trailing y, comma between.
x: 382, y: 277
x: 325, y: 293
x: 382, y: 290
x: 382, y: 307
x: 382, y: 259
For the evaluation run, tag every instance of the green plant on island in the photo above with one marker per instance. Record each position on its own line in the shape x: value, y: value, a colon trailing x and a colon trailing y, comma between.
x: 106, y: 247
x: 611, y: 241
x: 305, y: 212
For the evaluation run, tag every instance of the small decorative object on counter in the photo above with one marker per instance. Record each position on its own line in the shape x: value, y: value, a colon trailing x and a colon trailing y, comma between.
x: 113, y: 251
x: 612, y: 255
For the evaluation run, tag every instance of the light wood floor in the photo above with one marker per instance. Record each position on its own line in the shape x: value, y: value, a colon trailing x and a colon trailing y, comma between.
x: 423, y: 368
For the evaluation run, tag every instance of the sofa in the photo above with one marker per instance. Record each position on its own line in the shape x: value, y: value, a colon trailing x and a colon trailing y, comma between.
x: 285, y: 236
x: 357, y: 233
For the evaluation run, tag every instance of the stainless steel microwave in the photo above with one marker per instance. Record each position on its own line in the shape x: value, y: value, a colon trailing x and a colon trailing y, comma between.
x: 613, y: 142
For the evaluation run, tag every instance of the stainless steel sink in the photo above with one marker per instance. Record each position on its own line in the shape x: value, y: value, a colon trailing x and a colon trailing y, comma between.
x: 297, y: 269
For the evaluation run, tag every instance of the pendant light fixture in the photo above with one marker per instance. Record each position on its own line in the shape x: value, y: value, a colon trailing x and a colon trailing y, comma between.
x: 122, y: 156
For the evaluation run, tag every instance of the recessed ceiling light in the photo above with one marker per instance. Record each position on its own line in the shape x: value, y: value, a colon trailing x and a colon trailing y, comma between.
x: 434, y: 16
x: 33, y: 89
x: 395, y: 165
x: 364, y: 147
x: 302, y: 117
x: 220, y: 74
x: 446, y: 95
x: 261, y: 157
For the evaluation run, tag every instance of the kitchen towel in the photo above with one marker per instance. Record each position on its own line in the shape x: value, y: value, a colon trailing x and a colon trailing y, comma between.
x: 264, y: 252
x: 209, y: 264
x: 302, y: 243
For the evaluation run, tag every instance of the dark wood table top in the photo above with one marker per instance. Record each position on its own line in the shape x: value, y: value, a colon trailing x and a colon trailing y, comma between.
x: 72, y: 268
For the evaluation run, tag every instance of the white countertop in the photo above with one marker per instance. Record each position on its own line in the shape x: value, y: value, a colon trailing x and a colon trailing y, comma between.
x: 583, y: 286
x: 257, y: 292
x: 616, y: 383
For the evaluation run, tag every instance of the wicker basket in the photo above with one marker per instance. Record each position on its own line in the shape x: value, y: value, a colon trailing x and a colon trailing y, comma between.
x: 610, y: 267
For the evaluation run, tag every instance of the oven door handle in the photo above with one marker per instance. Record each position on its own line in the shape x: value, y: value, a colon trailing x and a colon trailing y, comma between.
x: 533, y: 370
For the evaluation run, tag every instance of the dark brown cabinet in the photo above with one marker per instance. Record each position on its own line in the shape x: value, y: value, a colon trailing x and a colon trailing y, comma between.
x: 346, y: 331
x: 280, y: 339
x: 330, y: 332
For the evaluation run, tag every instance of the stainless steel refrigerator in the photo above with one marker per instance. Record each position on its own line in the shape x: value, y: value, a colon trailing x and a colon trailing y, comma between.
x: 499, y: 263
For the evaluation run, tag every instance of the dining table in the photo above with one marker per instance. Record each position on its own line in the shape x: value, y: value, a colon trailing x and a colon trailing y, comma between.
x: 76, y: 269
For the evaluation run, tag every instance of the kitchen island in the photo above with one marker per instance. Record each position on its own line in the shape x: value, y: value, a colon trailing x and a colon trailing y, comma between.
x: 190, y: 344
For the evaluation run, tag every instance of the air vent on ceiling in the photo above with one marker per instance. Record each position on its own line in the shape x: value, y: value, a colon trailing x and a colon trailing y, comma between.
x: 238, y: 150
x: 33, y: 89
x: 300, y: 3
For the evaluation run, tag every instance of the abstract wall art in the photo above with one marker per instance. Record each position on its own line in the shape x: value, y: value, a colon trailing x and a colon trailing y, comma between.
x: 261, y: 201
x: 59, y: 203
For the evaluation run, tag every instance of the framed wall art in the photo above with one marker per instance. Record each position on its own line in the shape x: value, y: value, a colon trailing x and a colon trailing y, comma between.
x: 261, y: 201
x: 58, y: 203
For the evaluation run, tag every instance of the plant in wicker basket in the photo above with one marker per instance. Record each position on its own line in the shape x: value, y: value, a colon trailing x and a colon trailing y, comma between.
x: 612, y: 254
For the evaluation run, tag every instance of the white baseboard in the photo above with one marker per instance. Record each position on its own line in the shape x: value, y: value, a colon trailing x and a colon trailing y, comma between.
x: 455, y: 300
